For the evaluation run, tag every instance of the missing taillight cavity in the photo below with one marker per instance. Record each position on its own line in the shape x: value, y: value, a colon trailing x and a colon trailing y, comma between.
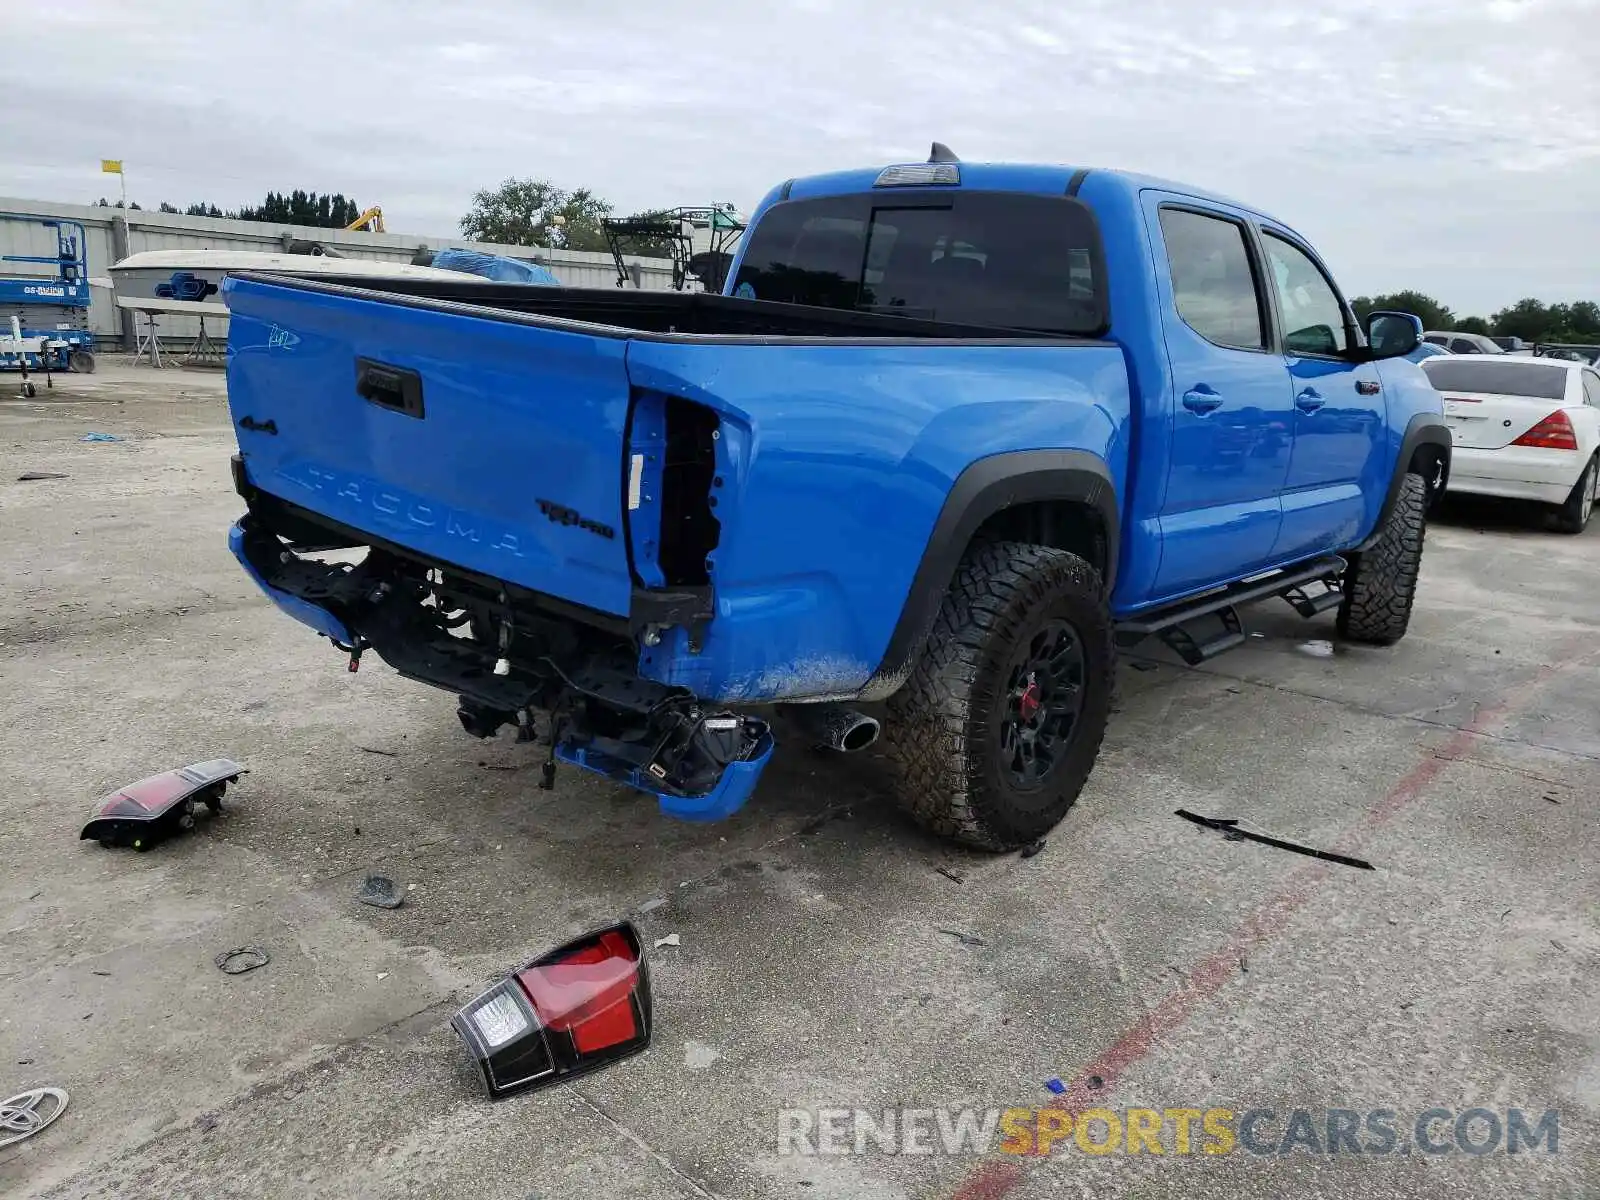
x: 690, y: 530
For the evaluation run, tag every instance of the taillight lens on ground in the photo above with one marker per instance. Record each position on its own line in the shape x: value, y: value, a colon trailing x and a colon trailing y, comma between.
x: 1555, y: 432
x: 588, y: 994
x: 500, y: 1020
x: 581, y: 1006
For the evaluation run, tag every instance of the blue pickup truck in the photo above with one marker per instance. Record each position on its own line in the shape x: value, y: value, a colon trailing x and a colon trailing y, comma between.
x: 953, y: 433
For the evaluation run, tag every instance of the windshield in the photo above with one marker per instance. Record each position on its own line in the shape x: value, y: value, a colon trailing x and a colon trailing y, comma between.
x: 1497, y: 378
x: 973, y: 258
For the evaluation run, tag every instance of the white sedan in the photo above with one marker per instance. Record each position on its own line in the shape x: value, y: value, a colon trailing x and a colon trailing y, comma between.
x: 1524, y: 429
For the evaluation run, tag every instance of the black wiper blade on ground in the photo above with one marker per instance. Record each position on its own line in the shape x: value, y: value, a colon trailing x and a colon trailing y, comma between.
x: 1229, y: 827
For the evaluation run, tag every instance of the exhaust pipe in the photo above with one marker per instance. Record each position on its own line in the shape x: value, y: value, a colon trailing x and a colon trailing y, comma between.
x: 842, y: 729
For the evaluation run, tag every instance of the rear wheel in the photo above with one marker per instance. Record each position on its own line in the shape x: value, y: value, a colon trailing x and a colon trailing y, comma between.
x: 1381, y: 584
x: 1573, y: 516
x: 995, y: 732
x: 81, y: 361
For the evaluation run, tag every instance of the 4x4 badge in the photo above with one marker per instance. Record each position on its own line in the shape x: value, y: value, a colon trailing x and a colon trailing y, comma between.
x: 562, y: 515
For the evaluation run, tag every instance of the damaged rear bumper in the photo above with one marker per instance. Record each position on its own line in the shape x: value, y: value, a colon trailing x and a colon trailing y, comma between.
x: 727, y: 796
x: 509, y: 656
x: 307, y: 613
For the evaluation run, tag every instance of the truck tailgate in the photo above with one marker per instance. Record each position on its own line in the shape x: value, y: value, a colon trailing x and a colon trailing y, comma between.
x: 492, y: 443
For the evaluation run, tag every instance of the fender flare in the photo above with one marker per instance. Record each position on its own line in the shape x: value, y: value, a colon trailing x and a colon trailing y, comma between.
x: 983, y: 489
x: 1423, y: 429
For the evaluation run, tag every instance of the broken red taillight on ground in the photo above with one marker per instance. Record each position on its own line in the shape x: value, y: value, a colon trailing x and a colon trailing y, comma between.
x: 583, y: 1005
x: 1555, y: 432
x: 153, y: 809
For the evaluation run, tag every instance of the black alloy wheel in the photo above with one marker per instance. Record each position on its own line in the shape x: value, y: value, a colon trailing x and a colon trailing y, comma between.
x: 1044, y: 697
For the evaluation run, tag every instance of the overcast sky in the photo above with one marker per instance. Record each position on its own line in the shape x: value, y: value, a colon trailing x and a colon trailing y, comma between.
x: 1450, y: 145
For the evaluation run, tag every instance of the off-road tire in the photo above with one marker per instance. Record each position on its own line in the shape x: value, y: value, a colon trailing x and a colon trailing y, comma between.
x: 1381, y: 584
x: 1573, y: 516
x: 944, y: 724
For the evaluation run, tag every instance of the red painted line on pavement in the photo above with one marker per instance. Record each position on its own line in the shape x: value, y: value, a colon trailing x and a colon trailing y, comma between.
x: 994, y: 1178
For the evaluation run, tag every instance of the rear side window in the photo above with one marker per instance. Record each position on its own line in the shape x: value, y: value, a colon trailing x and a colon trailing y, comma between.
x: 1484, y: 373
x: 1313, y: 317
x: 1591, y: 388
x: 971, y: 258
x: 1213, y: 286
x: 1463, y: 346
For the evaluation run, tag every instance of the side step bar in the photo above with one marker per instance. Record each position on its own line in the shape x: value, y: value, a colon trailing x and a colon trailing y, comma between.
x: 1310, y: 604
x: 1184, y: 640
x: 1176, y: 625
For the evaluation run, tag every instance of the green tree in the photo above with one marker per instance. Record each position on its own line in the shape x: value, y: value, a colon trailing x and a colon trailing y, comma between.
x: 1433, y: 314
x: 1528, y: 319
x: 299, y: 207
x: 1472, y: 325
x: 1583, y: 318
x: 535, y: 212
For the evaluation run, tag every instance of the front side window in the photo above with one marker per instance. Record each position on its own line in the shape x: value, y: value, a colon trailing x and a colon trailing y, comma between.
x: 972, y: 258
x: 1313, y: 318
x: 1213, y: 286
x: 1466, y: 346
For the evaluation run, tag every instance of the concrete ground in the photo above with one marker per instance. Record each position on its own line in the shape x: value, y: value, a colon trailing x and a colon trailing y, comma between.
x: 1142, y: 960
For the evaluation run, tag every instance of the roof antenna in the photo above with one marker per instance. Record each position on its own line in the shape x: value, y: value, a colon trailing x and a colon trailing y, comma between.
x: 942, y: 153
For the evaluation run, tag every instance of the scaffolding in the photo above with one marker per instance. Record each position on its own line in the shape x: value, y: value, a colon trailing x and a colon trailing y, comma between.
x: 699, y: 241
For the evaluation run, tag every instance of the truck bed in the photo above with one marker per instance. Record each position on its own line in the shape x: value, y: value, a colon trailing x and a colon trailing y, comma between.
x: 630, y: 312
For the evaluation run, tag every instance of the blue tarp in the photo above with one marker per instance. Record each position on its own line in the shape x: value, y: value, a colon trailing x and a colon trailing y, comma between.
x: 493, y: 266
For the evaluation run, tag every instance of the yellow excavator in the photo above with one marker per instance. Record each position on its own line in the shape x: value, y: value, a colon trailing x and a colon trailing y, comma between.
x: 370, y: 221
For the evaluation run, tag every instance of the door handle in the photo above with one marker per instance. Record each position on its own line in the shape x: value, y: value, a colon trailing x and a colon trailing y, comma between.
x: 398, y: 389
x: 1309, y: 400
x: 1201, y: 400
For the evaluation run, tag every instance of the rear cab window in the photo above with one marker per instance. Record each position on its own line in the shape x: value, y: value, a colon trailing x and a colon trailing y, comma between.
x: 1484, y: 373
x: 1213, y: 284
x: 975, y: 258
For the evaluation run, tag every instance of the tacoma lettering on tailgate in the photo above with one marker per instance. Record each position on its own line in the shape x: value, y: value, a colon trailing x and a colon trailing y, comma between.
x: 395, y: 505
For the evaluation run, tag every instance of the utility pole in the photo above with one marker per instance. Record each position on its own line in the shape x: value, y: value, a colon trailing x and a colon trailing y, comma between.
x: 121, y: 244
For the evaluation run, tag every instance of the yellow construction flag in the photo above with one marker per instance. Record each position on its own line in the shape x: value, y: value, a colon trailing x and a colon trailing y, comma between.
x: 111, y: 166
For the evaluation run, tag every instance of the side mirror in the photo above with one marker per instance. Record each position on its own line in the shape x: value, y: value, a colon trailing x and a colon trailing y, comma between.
x: 1392, y: 334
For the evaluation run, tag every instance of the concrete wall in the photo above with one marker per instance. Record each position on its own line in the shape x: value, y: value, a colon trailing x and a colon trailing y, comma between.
x: 162, y: 231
